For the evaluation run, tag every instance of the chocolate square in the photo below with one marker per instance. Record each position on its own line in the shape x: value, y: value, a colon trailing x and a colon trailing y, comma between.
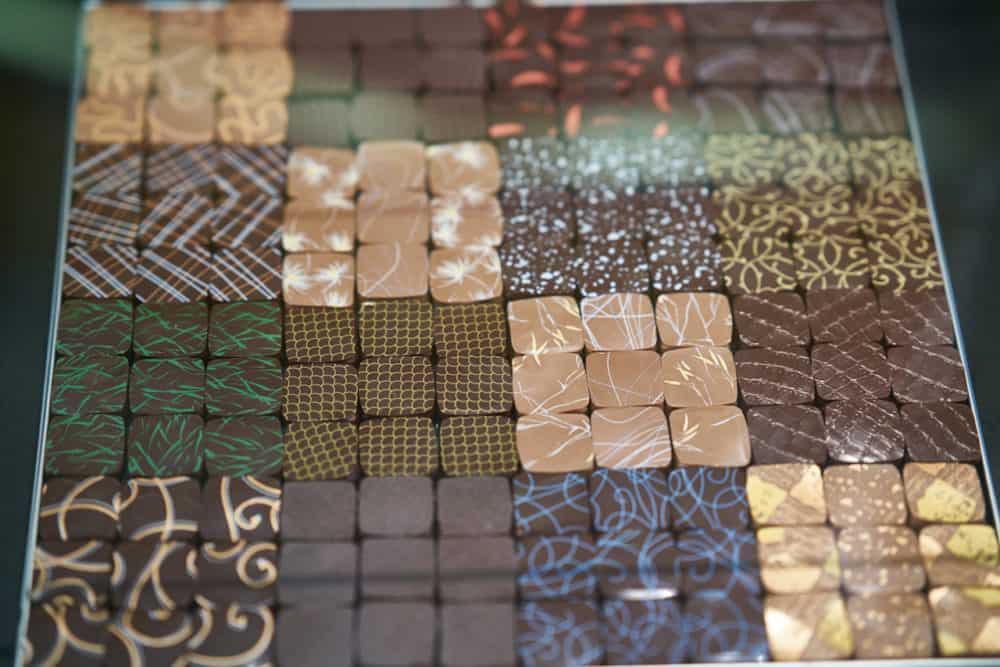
x: 320, y: 392
x: 880, y: 486
x: 853, y: 20
x: 384, y: 115
x: 943, y: 493
x: 454, y: 69
x: 255, y: 25
x: 245, y: 274
x: 396, y: 633
x: 104, y: 218
x: 599, y: 162
x: 963, y: 618
x: 830, y: 261
x: 107, y: 168
x: 312, y: 30
x: 251, y: 219
x: 693, y: 319
x: 465, y: 275
x: 180, y: 168
x: 245, y: 329
x: 396, y: 386
x: 473, y: 385
x: 478, y: 445
x: 87, y: 325
x: 787, y: 434
x: 869, y: 112
x: 775, y: 376
x: 317, y: 573
x: 297, y: 644
x: 481, y: 568
x: 225, y: 570
x: 712, y: 436
x: 394, y: 328
x: 243, y: 72
x: 629, y: 499
x: 880, y: 559
x: 470, y: 631
x: 862, y: 65
x: 644, y: 631
x: 380, y: 500
x: 558, y: 566
x: 156, y: 635
x: 398, y: 446
x: 850, y: 370
x: 760, y: 210
x: 781, y: 21
x: 318, y: 279
x: 754, y: 264
x: 254, y: 169
x: 538, y: 267
x: 617, y: 322
x: 745, y: 159
x: 549, y: 383
x: 798, y: 559
x: 473, y: 506
x: 927, y: 374
x: 732, y: 63
x: 170, y: 329
x: 771, y: 319
x: 790, y: 111
x: 236, y: 387
x: 940, y: 432
x: 862, y: 431
x: 877, y: 162
x: 718, y: 561
x: 534, y: 211
x: 698, y: 376
x: 960, y: 555
x: 165, y: 445
x: 555, y: 443
x: 85, y: 445
x: 240, y: 508
x: 624, y: 379
x: 468, y: 167
x: 319, y: 225
x: 398, y: 568
x: 636, y: 564
x: 841, y: 315
x: 827, y: 629
x: 392, y: 271
x: 71, y: 570
x: 252, y: 639
x: 272, y: 118
x: 676, y: 159
x: 153, y: 576
x: 769, y: 490
x: 717, y: 109
x: 320, y: 450
x: 300, y: 521
x: 466, y: 218
x: 319, y: 335
x: 559, y: 632
x: 916, y: 318
x: 531, y: 66
x: 905, y: 263
x: 534, y: 164
x: 550, y: 504
x: 545, y: 325
x: 897, y: 625
x: 606, y: 214
x: 328, y: 70
x: 794, y: 63
x: 327, y: 176
x: 684, y: 264
x: 448, y: 117
x: 237, y: 446
x: 104, y: 120
x: 319, y: 121
x: 720, y: 628
x: 89, y: 383
x: 702, y: 497
x: 172, y: 119
x: 78, y: 509
x: 160, y: 509
x: 631, y: 437
x: 389, y: 216
x: 457, y: 25
x: 101, y: 272
x: 173, y: 275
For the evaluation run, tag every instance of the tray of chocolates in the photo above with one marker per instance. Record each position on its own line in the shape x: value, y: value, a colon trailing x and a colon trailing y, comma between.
x: 504, y: 336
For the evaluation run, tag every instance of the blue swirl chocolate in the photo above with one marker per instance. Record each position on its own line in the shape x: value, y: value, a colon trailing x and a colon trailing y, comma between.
x: 703, y: 497
x: 557, y: 566
x: 623, y: 499
x: 550, y: 504
x: 642, y: 632
x: 727, y: 628
x: 557, y: 634
x: 722, y: 560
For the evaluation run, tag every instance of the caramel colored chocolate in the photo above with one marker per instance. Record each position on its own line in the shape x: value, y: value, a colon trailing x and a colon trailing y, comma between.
x: 555, y: 443
x: 392, y: 271
x: 465, y: 275
x: 545, y: 325
x: 319, y: 279
x: 459, y: 219
x: 312, y: 227
x: 466, y: 166
x: 256, y: 74
x: 961, y: 555
x: 391, y: 165
x: 943, y: 493
x: 715, y: 436
x: 327, y: 176
x: 255, y: 24
x: 693, y: 319
x: 618, y: 322
x: 798, y: 559
x: 966, y: 619
x: 631, y: 438
x: 386, y: 216
x: 698, y: 377
x: 895, y: 625
x: 864, y: 494
x: 786, y: 494
x: 812, y: 626
x: 187, y: 121
x: 880, y: 559
x: 550, y: 384
x: 242, y: 120
x: 109, y: 120
x: 624, y: 379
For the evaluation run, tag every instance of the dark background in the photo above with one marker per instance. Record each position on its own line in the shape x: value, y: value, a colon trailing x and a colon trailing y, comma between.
x: 951, y: 55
